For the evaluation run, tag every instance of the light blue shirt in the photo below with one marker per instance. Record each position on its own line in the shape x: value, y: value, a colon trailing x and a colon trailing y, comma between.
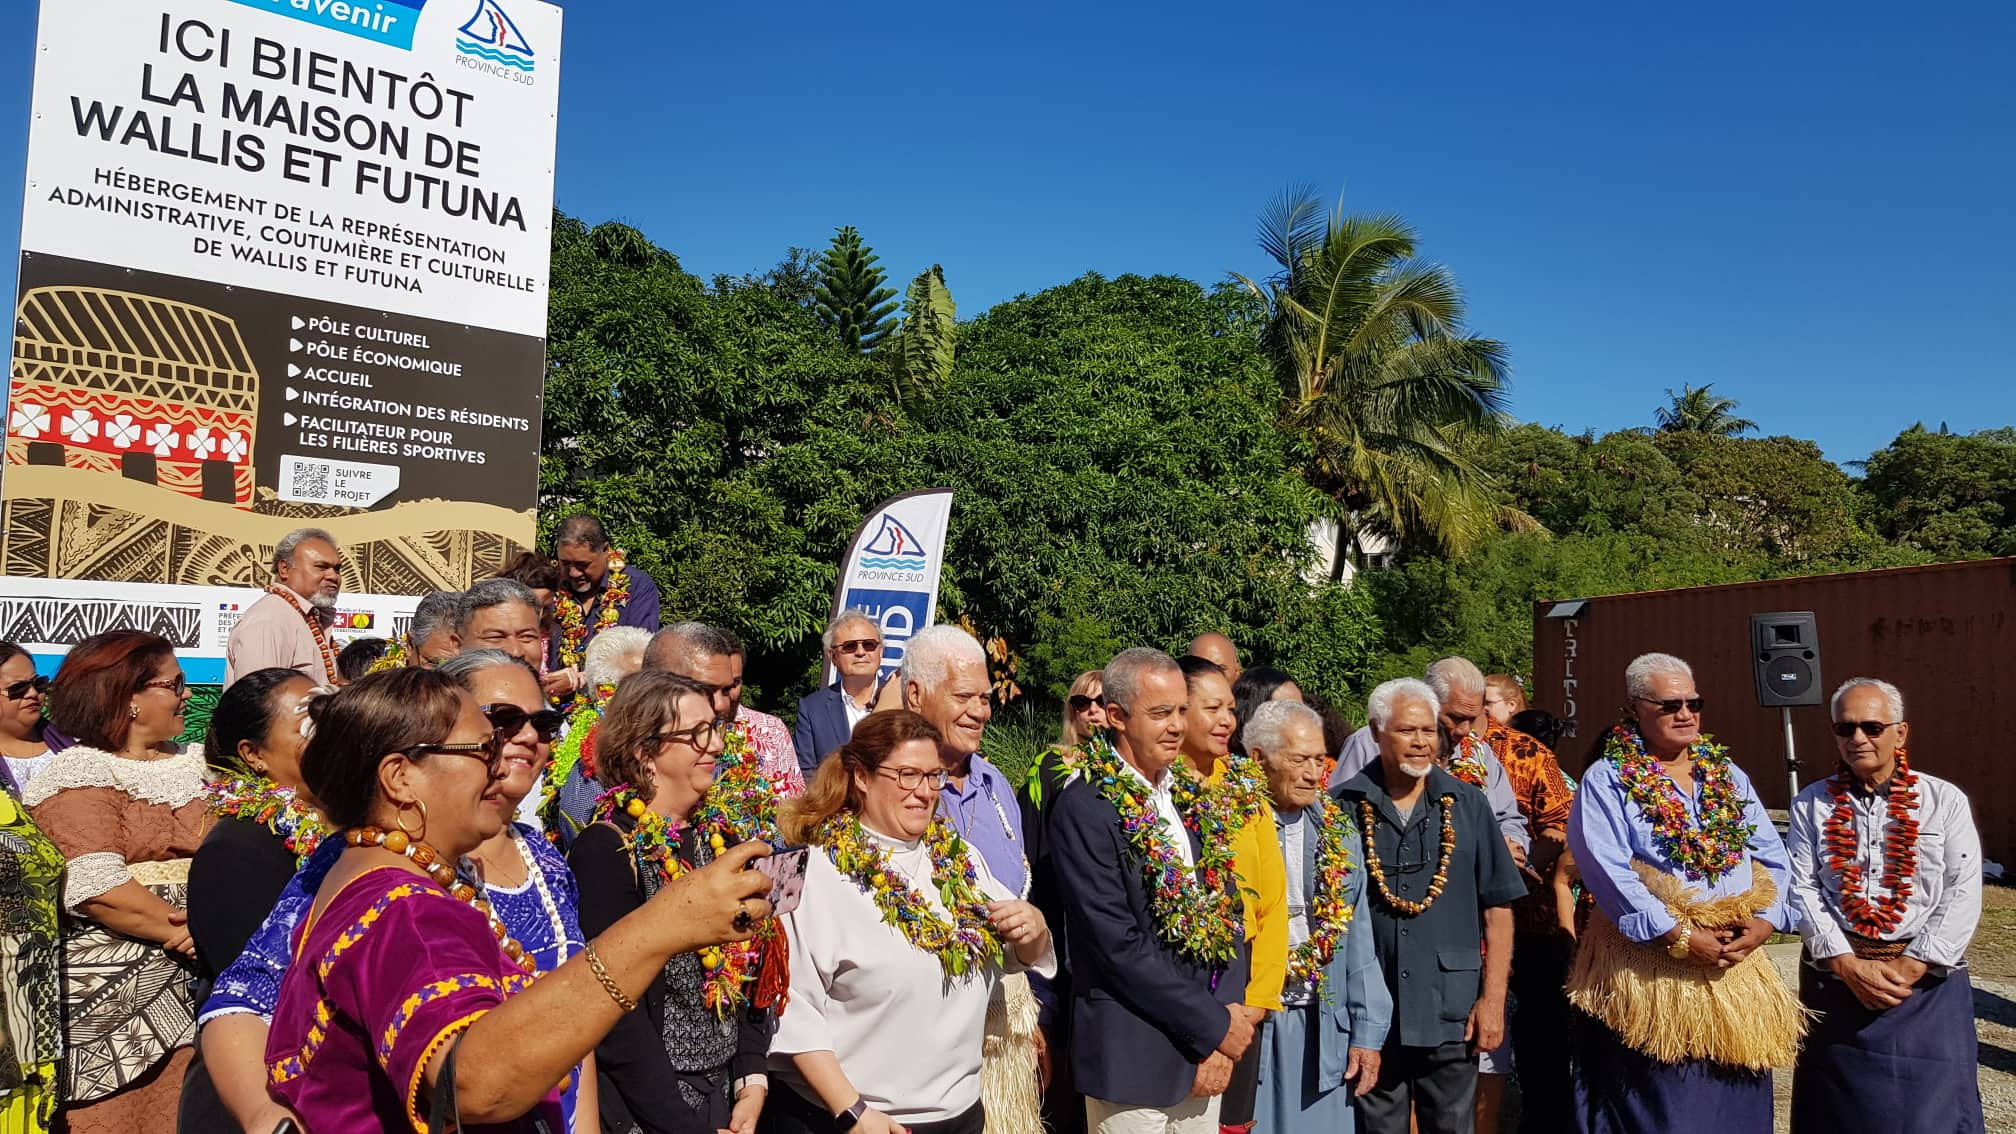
x: 989, y: 817
x: 1361, y: 751
x: 1606, y: 831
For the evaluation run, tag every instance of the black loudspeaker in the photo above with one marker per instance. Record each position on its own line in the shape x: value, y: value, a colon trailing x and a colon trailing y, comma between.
x: 1785, y: 654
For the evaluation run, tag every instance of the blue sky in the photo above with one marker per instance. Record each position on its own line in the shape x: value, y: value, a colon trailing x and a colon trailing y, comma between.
x: 1806, y: 205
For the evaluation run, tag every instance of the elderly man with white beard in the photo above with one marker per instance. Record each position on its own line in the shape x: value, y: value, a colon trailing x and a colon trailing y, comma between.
x: 1442, y: 884
x: 1322, y: 1049
x: 288, y: 628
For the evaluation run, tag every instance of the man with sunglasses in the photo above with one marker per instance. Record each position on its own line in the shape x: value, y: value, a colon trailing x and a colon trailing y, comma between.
x: 1886, y: 878
x: 826, y: 718
x: 1681, y: 1013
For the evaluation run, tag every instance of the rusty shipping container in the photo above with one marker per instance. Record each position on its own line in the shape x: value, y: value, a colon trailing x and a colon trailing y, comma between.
x: 1944, y: 634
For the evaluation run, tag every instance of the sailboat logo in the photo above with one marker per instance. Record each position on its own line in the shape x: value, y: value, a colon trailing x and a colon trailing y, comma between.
x: 491, y: 35
x: 894, y: 549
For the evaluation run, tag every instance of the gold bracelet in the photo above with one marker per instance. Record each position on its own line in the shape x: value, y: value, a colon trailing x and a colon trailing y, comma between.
x: 608, y: 982
x: 1677, y: 950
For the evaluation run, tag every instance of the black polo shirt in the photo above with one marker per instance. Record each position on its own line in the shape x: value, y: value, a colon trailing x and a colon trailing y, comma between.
x: 1434, y: 960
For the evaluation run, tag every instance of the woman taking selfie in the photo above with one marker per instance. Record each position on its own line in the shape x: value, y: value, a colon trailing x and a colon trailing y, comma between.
x: 690, y: 1059
x: 421, y: 1002
x: 895, y: 947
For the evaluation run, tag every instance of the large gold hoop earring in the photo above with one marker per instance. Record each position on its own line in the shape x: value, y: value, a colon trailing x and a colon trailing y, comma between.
x: 421, y: 834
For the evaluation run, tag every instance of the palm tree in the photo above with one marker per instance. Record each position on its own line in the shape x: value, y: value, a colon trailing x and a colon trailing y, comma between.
x: 1380, y: 381
x: 1696, y: 410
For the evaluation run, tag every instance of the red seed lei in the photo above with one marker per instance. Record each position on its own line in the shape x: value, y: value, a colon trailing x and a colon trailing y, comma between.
x: 1706, y: 851
x: 315, y: 627
x: 1874, y: 917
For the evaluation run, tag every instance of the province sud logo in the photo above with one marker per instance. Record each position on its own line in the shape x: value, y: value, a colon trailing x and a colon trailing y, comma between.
x: 893, y: 548
x: 489, y: 34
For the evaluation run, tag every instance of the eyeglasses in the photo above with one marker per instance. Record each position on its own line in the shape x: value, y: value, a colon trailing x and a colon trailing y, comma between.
x: 859, y: 646
x: 179, y: 686
x: 1870, y: 729
x: 1668, y: 708
x: 490, y: 751
x: 509, y: 720
x: 1080, y: 702
x: 910, y: 779
x: 699, y: 736
x: 37, y: 684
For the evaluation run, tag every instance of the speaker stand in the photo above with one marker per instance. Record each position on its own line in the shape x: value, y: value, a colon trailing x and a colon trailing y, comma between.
x: 1791, y: 759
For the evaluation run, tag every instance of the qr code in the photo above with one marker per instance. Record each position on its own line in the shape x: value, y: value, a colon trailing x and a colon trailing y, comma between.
x: 309, y: 480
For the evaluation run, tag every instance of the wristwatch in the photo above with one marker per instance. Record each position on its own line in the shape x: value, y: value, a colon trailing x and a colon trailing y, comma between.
x: 845, y: 1120
x: 1678, y: 950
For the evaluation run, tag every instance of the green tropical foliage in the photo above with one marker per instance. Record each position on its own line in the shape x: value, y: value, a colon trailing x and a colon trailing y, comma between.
x: 1382, y: 387
x: 1129, y: 468
x: 1696, y: 409
x: 849, y: 296
x: 921, y: 352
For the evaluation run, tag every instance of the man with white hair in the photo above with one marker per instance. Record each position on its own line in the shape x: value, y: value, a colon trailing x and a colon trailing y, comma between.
x: 288, y: 628
x: 1682, y: 1014
x: 944, y: 680
x: 1886, y: 878
x: 1442, y: 886
x: 826, y: 717
x: 615, y: 654
x: 1322, y: 1049
x: 1458, y: 686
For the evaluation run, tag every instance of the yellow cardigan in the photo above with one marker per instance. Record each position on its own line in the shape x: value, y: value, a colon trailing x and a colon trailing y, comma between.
x: 1263, y: 878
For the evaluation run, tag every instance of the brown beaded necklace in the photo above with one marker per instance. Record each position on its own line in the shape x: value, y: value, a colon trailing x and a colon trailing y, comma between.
x: 442, y: 871
x: 1378, y: 872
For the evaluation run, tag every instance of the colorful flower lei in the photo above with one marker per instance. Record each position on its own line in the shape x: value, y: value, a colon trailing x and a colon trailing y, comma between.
x: 1467, y: 763
x: 1707, y: 851
x: 730, y: 969
x: 574, y: 633
x: 576, y: 748
x: 1233, y: 802
x: 963, y: 945
x: 1202, y: 919
x: 262, y: 801
x: 1874, y: 917
x: 1331, y: 910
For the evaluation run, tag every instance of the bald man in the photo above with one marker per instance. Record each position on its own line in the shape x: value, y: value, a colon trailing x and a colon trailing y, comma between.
x: 1217, y: 648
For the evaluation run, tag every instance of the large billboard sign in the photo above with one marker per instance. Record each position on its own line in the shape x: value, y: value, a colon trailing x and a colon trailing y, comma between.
x: 283, y: 263
x: 892, y: 567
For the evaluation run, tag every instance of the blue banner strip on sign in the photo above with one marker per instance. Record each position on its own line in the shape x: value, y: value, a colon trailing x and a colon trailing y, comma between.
x: 381, y: 21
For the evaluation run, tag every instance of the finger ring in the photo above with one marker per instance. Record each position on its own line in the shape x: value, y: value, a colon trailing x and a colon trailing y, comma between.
x: 742, y: 918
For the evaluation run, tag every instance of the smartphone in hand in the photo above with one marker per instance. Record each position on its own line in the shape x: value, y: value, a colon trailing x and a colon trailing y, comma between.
x: 786, y: 870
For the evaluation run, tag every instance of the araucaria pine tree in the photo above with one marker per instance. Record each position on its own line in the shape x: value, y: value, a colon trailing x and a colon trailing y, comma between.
x: 850, y: 297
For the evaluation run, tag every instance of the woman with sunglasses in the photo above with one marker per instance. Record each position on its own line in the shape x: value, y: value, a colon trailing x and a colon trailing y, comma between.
x: 420, y: 1006
x: 264, y: 828
x: 689, y: 1059
x: 125, y: 805
x: 22, y: 744
x: 896, y: 947
x: 525, y: 880
x: 1084, y: 710
x: 1682, y: 1016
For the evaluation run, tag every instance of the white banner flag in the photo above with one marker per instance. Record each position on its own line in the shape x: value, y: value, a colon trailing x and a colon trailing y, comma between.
x: 892, y: 566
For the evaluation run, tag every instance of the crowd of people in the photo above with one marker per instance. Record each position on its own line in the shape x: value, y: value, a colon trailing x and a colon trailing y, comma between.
x: 503, y: 873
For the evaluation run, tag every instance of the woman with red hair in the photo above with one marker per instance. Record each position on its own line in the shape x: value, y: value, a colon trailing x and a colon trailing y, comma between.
x: 125, y: 806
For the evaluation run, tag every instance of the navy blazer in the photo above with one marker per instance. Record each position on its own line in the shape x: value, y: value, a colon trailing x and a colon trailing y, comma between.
x: 1142, y: 1017
x: 822, y: 727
